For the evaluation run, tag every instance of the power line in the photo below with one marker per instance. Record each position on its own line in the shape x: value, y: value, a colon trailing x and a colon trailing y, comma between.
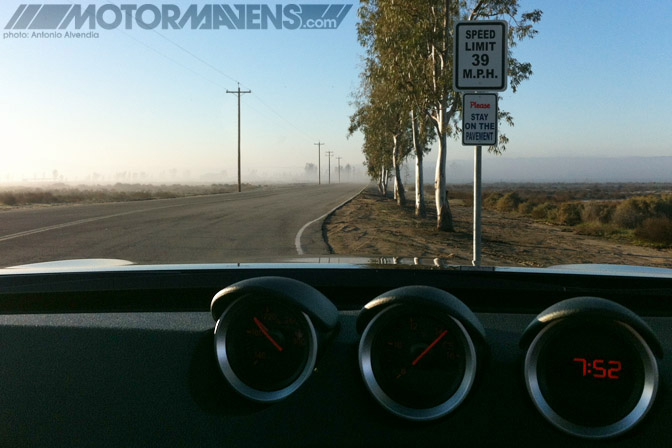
x: 283, y: 118
x: 211, y: 66
x: 172, y: 60
x: 196, y: 57
x: 203, y: 61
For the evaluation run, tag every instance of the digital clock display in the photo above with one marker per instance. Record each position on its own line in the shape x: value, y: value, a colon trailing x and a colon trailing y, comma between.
x: 600, y: 368
x: 590, y: 372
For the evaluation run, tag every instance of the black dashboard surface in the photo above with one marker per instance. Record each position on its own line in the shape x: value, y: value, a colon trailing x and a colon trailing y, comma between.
x: 124, y: 357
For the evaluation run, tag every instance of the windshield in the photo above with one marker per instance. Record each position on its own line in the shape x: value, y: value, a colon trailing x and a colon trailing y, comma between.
x: 190, y: 132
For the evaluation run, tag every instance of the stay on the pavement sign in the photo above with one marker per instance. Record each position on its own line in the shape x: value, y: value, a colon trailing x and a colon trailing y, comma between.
x: 479, y: 123
x: 480, y: 56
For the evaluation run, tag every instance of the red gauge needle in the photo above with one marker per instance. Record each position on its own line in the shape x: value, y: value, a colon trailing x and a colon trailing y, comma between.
x: 264, y: 330
x: 425, y: 351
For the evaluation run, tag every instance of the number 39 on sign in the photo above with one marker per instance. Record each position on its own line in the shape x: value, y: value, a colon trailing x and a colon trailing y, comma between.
x: 480, y: 56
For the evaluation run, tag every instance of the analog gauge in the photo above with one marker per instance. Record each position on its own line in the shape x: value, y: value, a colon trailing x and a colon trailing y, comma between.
x: 266, y: 349
x: 417, y: 362
x: 266, y: 334
x: 591, y: 376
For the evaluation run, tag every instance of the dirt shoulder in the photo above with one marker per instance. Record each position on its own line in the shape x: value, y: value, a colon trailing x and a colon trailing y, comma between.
x: 373, y: 226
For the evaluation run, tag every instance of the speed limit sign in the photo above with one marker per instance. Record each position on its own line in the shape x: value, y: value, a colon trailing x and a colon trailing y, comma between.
x: 480, y: 56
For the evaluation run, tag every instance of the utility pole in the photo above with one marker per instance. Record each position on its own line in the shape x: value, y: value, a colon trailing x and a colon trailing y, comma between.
x: 239, y: 93
x: 339, y: 168
x: 329, y: 154
x: 319, y: 161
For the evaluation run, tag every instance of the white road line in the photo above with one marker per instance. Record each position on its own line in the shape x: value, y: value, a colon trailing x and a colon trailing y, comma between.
x: 78, y: 222
x: 297, y: 240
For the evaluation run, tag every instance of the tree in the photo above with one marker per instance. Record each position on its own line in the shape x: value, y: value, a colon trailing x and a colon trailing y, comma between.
x: 382, y: 117
x: 310, y: 169
x: 383, y: 109
x: 413, y: 44
x: 423, y: 134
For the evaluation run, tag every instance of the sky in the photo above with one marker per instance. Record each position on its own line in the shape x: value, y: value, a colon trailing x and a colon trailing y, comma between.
x: 155, y: 101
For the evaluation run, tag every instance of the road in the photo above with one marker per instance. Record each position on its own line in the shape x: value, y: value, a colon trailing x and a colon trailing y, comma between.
x: 248, y: 226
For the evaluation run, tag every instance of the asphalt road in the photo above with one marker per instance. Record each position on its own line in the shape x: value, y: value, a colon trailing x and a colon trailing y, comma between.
x: 248, y: 226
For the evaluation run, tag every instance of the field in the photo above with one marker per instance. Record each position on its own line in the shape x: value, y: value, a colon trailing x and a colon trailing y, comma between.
x: 58, y: 193
x: 523, y: 225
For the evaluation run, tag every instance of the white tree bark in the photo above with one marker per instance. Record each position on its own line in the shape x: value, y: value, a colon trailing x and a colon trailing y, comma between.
x: 420, y: 209
x: 399, y: 195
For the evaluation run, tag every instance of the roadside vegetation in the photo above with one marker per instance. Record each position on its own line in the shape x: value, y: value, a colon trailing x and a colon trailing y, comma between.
x: 637, y: 213
x: 372, y: 225
x: 87, y: 194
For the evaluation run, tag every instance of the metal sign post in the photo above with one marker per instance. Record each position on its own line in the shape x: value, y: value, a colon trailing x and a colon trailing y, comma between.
x: 480, y: 64
x: 476, y: 260
x: 479, y: 127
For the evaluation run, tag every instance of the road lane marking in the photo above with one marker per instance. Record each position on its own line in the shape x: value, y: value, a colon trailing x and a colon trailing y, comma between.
x: 78, y: 222
x: 297, y: 240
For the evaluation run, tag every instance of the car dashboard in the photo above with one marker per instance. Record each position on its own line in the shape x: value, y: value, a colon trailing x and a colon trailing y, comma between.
x: 128, y: 355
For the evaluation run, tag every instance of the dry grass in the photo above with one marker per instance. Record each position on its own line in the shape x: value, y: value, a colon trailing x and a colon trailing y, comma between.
x: 61, y: 194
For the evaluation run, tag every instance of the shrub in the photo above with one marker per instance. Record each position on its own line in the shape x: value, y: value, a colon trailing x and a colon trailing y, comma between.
x: 631, y: 212
x: 655, y: 230
x: 8, y: 199
x: 490, y: 200
x: 597, y: 212
x: 509, y: 202
x: 525, y: 208
x: 569, y: 214
x: 546, y: 211
x: 662, y: 205
x: 594, y: 228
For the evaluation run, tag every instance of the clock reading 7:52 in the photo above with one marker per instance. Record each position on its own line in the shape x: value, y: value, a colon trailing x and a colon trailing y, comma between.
x: 596, y: 368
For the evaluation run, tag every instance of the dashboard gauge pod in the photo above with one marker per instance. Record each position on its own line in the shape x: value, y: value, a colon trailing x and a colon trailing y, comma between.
x: 419, y: 352
x: 267, y: 335
x: 590, y: 367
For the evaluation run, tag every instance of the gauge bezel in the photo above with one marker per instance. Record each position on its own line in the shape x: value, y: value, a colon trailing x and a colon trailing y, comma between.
x: 261, y: 396
x: 644, y: 404
x: 366, y: 367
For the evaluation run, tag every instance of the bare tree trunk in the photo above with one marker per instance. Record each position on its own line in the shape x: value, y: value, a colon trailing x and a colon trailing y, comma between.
x: 444, y: 219
x: 420, y: 209
x: 386, y: 173
x: 380, y: 183
x: 399, y: 194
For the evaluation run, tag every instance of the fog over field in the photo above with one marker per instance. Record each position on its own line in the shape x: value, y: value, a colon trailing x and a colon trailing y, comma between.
x: 495, y: 169
x: 561, y: 169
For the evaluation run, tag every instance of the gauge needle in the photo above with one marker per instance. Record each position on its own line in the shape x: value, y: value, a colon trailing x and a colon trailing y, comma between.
x: 425, y: 351
x: 264, y: 330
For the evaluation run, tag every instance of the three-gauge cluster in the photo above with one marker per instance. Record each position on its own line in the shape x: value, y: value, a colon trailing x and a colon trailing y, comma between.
x: 590, y: 365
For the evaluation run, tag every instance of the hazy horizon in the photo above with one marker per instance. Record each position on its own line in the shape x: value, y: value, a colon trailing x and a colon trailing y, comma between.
x: 154, y: 101
x: 495, y: 169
